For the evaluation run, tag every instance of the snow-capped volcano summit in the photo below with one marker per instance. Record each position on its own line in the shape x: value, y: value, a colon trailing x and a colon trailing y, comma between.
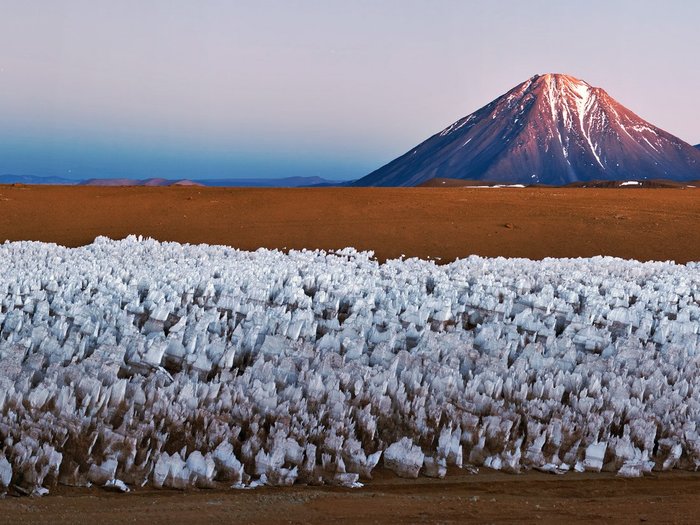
x: 551, y: 129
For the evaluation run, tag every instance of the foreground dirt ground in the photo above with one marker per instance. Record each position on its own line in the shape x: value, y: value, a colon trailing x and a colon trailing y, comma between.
x: 487, y: 497
x: 426, y: 222
x: 445, y: 223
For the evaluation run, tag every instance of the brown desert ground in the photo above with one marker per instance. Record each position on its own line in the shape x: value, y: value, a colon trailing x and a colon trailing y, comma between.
x: 487, y: 497
x: 445, y: 223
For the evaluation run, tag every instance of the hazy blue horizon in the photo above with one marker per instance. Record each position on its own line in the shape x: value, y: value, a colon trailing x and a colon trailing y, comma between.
x: 258, y: 89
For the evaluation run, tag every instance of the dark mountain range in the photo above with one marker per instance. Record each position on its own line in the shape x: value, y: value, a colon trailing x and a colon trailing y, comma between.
x: 139, y: 182
x: 287, y: 182
x: 551, y: 129
x: 31, y: 179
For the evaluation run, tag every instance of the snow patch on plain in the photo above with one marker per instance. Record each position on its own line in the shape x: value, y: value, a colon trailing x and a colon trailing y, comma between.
x: 499, y: 186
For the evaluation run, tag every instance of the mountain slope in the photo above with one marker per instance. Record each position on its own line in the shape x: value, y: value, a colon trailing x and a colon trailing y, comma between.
x: 551, y: 129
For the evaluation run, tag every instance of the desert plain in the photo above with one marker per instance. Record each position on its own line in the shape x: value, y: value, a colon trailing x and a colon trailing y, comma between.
x: 438, y: 223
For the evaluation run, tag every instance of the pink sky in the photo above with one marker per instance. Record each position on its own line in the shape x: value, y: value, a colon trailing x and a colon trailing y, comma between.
x: 330, y: 88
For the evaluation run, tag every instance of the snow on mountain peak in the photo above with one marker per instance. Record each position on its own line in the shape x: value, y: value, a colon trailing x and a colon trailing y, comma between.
x: 556, y: 126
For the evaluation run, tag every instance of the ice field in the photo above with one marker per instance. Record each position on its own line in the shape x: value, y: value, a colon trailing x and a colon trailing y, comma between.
x: 134, y: 362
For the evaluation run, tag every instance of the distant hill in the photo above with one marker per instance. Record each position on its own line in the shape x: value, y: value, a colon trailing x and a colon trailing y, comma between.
x: 138, y: 182
x: 31, y: 179
x: 552, y: 129
x: 287, y: 182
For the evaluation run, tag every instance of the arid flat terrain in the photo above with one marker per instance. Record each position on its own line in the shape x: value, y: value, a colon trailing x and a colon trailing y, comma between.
x: 445, y: 223
x: 644, y: 224
x: 488, y: 497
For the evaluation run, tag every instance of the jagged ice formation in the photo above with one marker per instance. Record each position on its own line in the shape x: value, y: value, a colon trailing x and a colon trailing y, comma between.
x: 137, y: 362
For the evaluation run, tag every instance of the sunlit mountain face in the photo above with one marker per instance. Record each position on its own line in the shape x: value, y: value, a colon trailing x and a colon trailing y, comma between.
x: 551, y: 129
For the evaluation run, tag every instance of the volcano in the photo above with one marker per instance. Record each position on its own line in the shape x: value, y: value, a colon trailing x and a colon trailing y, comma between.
x: 551, y: 129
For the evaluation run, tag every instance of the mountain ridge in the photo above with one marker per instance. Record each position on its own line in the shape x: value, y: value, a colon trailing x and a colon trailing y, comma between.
x: 8, y: 178
x: 552, y: 129
x: 139, y: 182
x: 284, y: 182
